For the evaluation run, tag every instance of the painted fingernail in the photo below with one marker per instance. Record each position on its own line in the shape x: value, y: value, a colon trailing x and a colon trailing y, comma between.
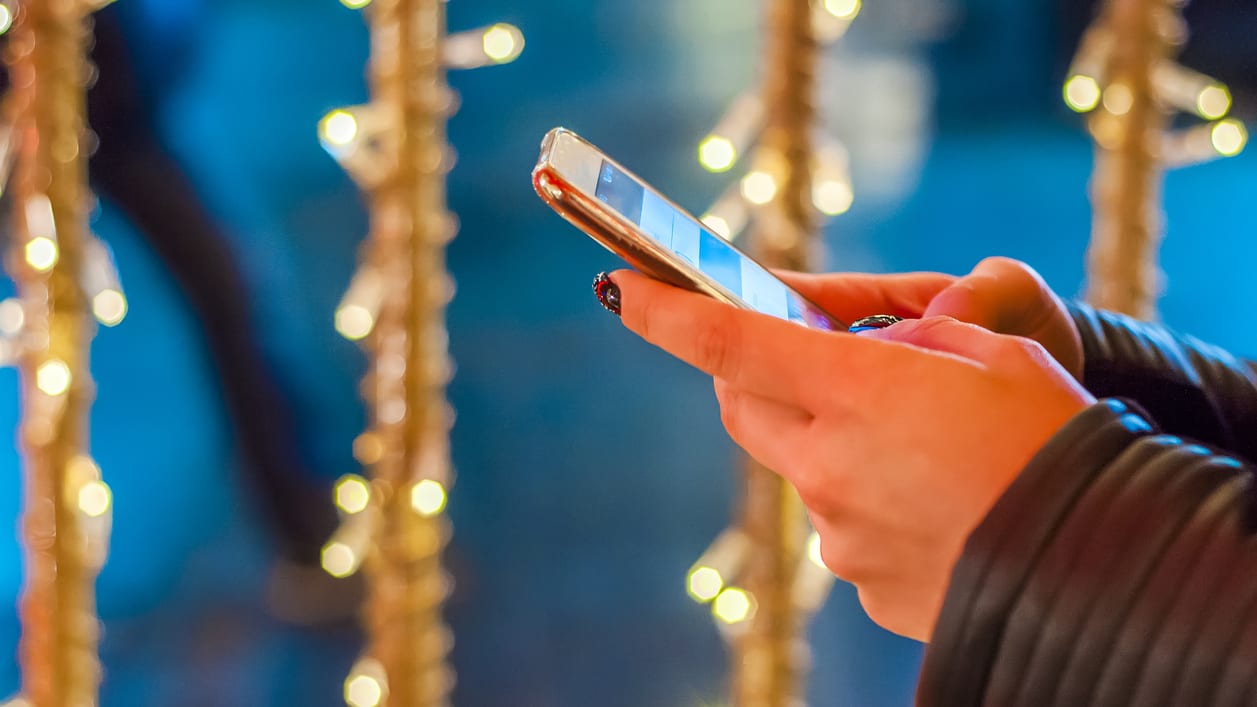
x: 608, y: 293
x: 877, y: 321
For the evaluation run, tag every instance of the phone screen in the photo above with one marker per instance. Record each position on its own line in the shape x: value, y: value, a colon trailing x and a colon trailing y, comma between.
x: 693, y: 242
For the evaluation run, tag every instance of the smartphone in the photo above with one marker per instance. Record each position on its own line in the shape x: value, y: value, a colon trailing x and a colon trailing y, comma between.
x: 657, y: 237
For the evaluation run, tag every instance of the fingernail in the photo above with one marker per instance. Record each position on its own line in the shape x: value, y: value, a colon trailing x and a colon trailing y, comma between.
x: 873, y: 323
x: 608, y: 293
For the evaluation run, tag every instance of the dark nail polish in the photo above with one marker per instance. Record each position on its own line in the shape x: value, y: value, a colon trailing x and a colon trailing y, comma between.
x: 877, y: 321
x: 608, y: 293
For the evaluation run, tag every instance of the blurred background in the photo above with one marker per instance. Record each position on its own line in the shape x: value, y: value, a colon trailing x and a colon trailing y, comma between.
x: 592, y: 470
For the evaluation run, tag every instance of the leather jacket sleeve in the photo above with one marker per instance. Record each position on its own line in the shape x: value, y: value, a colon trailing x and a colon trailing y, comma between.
x: 1189, y: 387
x: 1120, y: 567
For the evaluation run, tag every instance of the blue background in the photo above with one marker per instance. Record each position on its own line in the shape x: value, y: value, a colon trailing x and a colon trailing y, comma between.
x: 592, y: 469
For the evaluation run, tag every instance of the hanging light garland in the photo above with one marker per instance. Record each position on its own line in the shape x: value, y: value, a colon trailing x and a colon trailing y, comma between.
x: 763, y: 577
x: 64, y: 276
x: 393, y: 523
x: 1125, y: 77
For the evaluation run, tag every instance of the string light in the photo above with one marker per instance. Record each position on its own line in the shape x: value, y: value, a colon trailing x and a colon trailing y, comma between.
x: 733, y: 605
x: 6, y: 18
x: 704, y: 584
x: 843, y: 9
x: 717, y: 154
x: 814, y: 550
x: 428, y: 497
x: 101, y: 284
x: 358, y: 309
x: 1082, y: 93
x: 110, y: 307
x: 355, y: 4
x: 53, y: 377
x: 718, y: 225
x: 1118, y: 99
x: 352, y: 493
x: 1213, y: 102
x: 339, y: 560
x: 1229, y: 137
x: 95, y: 498
x: 366, y: 685
x: 759, y: 188
x: 338, y: 128
x: 499, y: 44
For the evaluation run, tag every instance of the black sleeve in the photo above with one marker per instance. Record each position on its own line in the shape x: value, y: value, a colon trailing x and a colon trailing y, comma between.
x: 1118, y: 569
x: 1189, y: 387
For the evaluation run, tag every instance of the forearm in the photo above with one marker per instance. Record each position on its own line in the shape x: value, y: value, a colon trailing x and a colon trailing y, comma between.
x: 1189, y: 387
x: 1117, y: 569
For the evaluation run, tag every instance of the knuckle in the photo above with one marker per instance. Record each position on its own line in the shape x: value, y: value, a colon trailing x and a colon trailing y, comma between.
x: 715, y: 344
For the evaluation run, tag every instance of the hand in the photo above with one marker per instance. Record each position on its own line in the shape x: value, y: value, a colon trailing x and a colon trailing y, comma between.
x: 1003, y: 295
x: 899, y: 441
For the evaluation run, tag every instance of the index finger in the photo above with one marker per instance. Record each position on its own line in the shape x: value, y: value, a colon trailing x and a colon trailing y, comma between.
x: 852, y: 296
x: 755, y: 352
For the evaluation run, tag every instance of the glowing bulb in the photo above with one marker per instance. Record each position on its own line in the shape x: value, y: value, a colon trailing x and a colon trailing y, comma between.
x: 352, y: 493
x: 718, y: 225
x: 6, y: 18
x: 843, y: 9
x: 759, y: 188
x: 1118, y: 99
x: 42, y: 253
x: 110, y: 307
x: 95, y: 498
x: 717, y: 154
x: 732, y: 606
x: 53, y: 377
x: 814, y: 550
x: 339, y: 560
x: 355, y: 4
x: 339, y: 128
x: 427, y: 498
x: 832, y: 197
x: 1213, y: 102
x: 1082, y: 93
x: 704, y: 584
x: 12, y: 316
x: 363, y: 691
x: 502, y: 43
x: 354, y: 321
x: 1229, y: 137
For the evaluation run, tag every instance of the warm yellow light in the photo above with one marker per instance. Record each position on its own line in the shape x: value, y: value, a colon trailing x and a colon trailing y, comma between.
x: 53, y: 377
x: 814, y: 550
x: 95, y: 498
x: 1213, y: 102
x: 339, y: 128
x: 759, y: 188
x: 110, y: 307
x: 1082, y: 93
x: 368, y: 448
x: 6, y: 18
x: 363, y: 691
x: 352, y: 493
x: 428, y: 497
x: 354, y: 321
x: 355, y: 4
x: 502, y: 43
x: 1118, y: 99
x: 1229, y: 137
x: 719, y: 225
x: 717, y: 154
x: 12, y: 316
x: 733, y: 605
x: 843, y: 9
x: 339, y: 560
x: 833, y: 197
x: 704, y: 584
x: 42, y: 253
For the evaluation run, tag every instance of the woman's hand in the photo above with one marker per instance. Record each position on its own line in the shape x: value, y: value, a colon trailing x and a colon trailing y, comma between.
x: 899, y: 441
x: 1003, y: 295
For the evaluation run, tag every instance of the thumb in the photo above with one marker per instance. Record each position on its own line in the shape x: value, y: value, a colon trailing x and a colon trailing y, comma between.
x: 944, y: 334
x: 1001, y: 294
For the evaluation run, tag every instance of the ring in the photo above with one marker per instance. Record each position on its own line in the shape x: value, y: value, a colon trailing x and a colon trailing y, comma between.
x: 877, y: 321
